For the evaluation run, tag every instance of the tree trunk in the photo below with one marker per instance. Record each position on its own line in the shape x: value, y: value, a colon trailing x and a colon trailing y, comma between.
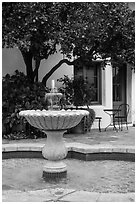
x: 46, y: 77
x: 27, y: 56
x: 35, y: 73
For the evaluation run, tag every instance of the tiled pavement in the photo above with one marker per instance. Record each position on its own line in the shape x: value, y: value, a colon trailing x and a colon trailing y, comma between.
x: 109, y: 137
x: 122, y: 141
x: 65, y: 195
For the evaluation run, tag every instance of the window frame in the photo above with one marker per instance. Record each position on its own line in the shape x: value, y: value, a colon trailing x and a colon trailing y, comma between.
x: 83, y: 71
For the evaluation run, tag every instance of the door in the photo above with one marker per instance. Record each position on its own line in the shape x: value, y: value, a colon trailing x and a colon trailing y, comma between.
x: 119, y: 85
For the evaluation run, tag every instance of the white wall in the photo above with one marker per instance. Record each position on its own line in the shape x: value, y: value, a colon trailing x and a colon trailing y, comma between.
x: 133, y: 97
x: 12, y: 59
x: 131, y: 93
x: 46, y: 65
x: 107, y: 102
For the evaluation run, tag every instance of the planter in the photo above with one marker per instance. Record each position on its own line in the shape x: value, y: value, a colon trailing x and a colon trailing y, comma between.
x: 85, y: 124
x: 78, y: 129
x: 19, y: 127
x: 4, y: 131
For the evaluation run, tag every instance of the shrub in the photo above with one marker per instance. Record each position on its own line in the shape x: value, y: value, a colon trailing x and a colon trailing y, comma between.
x: 19, y: 94
x: 77, y: 91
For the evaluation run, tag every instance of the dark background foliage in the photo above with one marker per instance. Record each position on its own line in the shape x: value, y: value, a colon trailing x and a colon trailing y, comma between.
x: 19, y: 94
x: 77, y: 91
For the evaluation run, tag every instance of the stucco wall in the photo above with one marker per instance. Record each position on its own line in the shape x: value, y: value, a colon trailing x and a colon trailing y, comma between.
x: 46, y: 65
x: 13, y: 60
x: 131, y: 93
x: 133, y: 97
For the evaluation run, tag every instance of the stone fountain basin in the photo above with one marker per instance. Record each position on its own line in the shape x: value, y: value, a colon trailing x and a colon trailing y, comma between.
x: 54, y: 120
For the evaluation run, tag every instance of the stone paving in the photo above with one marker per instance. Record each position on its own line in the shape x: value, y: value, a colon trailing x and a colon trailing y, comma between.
x: 121, y: 141
x: 65, y: 195
x: 94, y: 137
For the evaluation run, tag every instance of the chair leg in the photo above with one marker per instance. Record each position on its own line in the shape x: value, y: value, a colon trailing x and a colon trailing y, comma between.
x: 114, y: 123
x: 126, y: 124
x: 121, y: 125
x: 99, y: 125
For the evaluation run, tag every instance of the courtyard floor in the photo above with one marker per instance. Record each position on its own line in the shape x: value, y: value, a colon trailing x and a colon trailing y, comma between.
x: 94, y: 137
x: 109, y: 138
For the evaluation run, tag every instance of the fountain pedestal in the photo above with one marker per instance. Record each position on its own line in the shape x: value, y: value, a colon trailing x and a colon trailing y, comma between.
x: 54, y: 151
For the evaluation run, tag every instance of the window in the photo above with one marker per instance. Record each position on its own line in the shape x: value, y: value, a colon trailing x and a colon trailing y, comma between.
x: 119, y: 83
x: 92, y: 74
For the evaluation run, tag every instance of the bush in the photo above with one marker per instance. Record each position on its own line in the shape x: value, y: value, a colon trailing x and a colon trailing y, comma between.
x: 77, y: 91
x: 19, y: 94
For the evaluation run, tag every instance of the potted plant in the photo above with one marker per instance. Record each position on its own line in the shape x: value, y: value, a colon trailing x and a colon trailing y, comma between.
x: 78, y: 93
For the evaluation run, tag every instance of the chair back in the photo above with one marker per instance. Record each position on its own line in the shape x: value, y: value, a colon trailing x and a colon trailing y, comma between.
x: 124, y: 110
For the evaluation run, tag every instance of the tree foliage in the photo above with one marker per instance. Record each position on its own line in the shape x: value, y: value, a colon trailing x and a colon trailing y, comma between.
x: 82, y: 29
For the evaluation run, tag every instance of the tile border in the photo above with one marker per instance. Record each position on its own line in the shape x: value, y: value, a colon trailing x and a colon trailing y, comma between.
x: 75, y: 150
x: 77, y: 147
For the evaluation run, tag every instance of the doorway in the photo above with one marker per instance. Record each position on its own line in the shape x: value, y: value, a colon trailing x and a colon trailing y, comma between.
x: 119, y: 85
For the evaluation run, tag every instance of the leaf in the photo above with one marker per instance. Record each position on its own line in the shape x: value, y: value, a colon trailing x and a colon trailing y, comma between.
x: 80, y: 28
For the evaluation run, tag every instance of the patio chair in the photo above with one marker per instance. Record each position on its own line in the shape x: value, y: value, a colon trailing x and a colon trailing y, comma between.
x: 121, y: 116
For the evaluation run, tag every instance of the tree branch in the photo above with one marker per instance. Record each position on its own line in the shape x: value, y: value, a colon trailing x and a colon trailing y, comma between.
x: 46, y: 77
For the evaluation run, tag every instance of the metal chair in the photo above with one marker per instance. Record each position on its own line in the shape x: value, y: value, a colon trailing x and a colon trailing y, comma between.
x: 121, y: 116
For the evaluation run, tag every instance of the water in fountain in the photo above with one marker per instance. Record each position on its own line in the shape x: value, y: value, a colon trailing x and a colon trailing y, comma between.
x: 53, y: 99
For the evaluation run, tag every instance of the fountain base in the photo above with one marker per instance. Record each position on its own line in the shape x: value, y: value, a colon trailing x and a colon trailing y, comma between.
x: 54, y: 169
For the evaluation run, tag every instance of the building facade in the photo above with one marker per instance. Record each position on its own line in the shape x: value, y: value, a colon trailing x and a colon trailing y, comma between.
x: 113, y: 85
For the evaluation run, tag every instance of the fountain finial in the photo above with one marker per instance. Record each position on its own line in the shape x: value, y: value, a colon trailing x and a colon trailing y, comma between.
x: 53, y: 98
x: 53, y: 88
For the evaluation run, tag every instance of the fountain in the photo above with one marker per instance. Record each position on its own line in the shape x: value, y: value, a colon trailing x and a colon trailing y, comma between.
x: 53, y: 98
x: 54, y: 122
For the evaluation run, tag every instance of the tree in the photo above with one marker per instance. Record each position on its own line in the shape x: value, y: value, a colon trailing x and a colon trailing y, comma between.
x: 82, y: 29
x: 29, y: 26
